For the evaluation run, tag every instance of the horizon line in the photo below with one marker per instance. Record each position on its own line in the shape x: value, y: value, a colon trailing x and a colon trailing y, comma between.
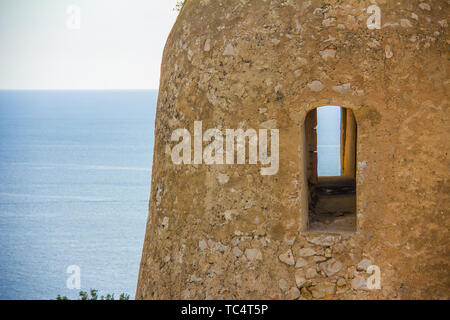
x: 147, y: 89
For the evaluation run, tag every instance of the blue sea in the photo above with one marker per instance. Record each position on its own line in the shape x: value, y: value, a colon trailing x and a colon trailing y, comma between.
x: 329, y: 141
x: 75, y: 169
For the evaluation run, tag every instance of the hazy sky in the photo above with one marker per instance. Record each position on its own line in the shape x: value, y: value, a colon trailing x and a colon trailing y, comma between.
x: 111, y: 44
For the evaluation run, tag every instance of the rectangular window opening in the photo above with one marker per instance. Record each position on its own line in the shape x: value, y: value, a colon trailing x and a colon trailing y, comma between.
x: 331, y: 169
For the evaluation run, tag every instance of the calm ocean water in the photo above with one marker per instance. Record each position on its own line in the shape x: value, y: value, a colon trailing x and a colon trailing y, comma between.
x: 75, y: 172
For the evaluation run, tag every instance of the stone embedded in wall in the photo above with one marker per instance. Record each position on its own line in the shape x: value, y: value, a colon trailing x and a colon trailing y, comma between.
x: 300, y: 278
x: 289, y: 242
x: 425, y: 6
x: 207, y: 45
x: 405, y: 23
x: 342, y: 88
x: 230, y: 214
x: 341, y: 282
x: 351, y: 272
x: 319, y: 258
x: 301, y: 263
x: 363, y: 265
x: 220, y: 247
x: 329, y: 22
x: 269, y: 124
x: 194, y: 278
x: 229, y: 50
x: 328, y: 54
x: 237, y: 252
x: 330, y: 267
x: 358, y: 283
x: 305, y: 293
x: 311, y: 273
x: 306, y: 252
x: 324, y: 240
x: 293, y: 294
x: 323, y: 289
x: 388, y: 51
x: 316, y: 85
x: 222, y: 178
x: 443, y: 23
x: 287, y: 257
x: 283, y: 285
x: 165, y: 222
x: 202, y: 244
x: 253, y: 254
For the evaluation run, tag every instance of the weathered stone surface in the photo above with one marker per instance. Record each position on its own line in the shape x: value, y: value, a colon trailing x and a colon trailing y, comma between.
x: 165, y: 223
x: 283, y: 285
x: 329, y: 22
x: 253, y: 65
x: 237, y: 252
x: 316, y: 85
x: 301, y: 263
x: 253, y: 254
x: 306, y: 252
x: 269, y: 124
x: 319, y: 258
x: 300, y: 279
x: 287, y: 257
x: 330, y: 267
x: 293, y: 294
x: 220, y: 247
x: 363, y: 265
x: 305, y: 293
x: 230, y: 214
x: 405, y: 23
x: 311, y: 273
x: 388, y: 51
x: 229, y: 50
x: 358, y: 283
x: 328, y: 53
x: 324, y: 240
x: 207, y: 45
x: 342, y: 88
x: 341, y: 282
x: 202, y: 244
x: 425, y: 6
x: 323, y: 289
x: 194, y: 278
x: 222, y: 178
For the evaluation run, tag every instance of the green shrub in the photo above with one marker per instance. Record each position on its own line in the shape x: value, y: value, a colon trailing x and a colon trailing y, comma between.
x: 92, y: 295
x: 179, y: 5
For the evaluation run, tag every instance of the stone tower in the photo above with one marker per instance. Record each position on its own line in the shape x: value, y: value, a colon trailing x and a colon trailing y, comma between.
x: 224, y: 230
